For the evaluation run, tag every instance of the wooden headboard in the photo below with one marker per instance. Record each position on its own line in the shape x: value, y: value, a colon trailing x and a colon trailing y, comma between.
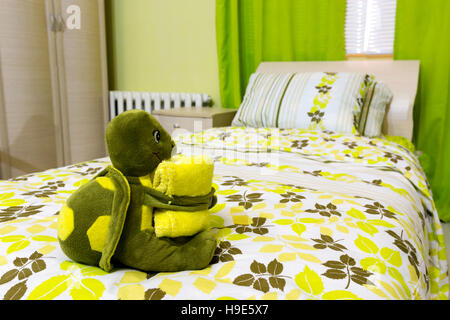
x: 401, y: 76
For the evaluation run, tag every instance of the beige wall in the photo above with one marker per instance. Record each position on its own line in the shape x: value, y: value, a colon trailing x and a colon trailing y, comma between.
x: 163, y: 45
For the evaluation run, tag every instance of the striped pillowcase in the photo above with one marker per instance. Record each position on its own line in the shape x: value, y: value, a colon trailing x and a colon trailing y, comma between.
x: 309, y: 100
x: 262, y: 100
x: 374, y: 109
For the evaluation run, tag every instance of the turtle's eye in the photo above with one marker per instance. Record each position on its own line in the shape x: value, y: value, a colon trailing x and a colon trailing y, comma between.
x: 157, y: 136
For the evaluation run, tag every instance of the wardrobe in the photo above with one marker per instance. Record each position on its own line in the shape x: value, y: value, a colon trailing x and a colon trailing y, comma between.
x: 53, y: 84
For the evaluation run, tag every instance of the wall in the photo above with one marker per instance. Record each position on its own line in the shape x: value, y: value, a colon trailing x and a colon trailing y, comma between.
x: 163, y: 45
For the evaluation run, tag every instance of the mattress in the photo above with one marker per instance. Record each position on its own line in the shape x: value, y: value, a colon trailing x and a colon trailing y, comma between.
x: 300, y: 215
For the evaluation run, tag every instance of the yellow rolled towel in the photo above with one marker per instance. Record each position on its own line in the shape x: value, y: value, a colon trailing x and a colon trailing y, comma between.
x: 184, y: 176
x: 180, y: 223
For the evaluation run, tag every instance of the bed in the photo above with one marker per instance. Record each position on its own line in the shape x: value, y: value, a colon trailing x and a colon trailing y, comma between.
x: 301, y: 214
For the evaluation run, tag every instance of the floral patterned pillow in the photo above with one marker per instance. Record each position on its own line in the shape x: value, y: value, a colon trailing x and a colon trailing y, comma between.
x: 328, y: 101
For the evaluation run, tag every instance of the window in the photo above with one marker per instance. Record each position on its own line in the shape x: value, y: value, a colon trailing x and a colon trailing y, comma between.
x: 370, y: 26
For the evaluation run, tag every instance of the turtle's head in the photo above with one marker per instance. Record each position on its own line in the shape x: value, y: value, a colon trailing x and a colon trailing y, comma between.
x: 137, y: 143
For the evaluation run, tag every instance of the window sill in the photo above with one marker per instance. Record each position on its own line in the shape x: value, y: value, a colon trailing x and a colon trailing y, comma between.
x: 368, y: 56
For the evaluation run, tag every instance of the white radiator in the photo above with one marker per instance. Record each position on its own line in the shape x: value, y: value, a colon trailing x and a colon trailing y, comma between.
x: 120, y: 101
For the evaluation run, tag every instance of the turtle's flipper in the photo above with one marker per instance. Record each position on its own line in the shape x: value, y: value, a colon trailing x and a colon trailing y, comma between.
x: 118, y: 215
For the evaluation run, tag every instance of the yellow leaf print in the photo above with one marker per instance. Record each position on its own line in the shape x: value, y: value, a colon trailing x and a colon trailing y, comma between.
x: 51, y: 288
x: 342, y: 229
x: 412, y: 274
x: 36, y: 228
x: 288, y: 213
x: 394, y: 273
x: 309, y: 281
x: 46, y: 249
x: 241, y: 219
x: 7, y: 229
x: 377, y: 291
x: 5, y: 200
x: 237, y: 236
x: 340, y: 295
x: 312, y: 220
x: 226, y: 192
x: 222, y: 233
x: 44, y: 238
x: 308, y: 257
x: 284, y: 222
x: 326, y: 231
x: 204, y: 285
x: 88, y: 271
x: 366, y: 245
x: 85, y: 270
x: 374, y: 265
x: 133, y: 277
x: 89, y: 289
x: 378, y: 222
x: 298, y: 228
x: 293, y: 294
x: 172, y: 287
x: 270, y: 296
x: 444, y: 289
x: 271, y: 248
x: 131, y: 292
x: 80, y: 288
x: 263, y: 239
x: 20, y: 242
x: 355, y: 213
x: 259, y: 206
x: 218, y: 207
x: 16, y: 246
x: 13, y: 238
x: 302, y: 246
x: 4, y: 196
x: 366, y: 227
x: 294, y: 238
x: 389, y: 289
x: 225, y: 269
x: 391, y: 256
x: 289, y: 256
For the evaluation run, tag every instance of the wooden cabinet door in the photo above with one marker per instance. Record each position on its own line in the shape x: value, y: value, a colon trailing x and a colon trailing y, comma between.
x: 81, y: 54
x: 27, y: 124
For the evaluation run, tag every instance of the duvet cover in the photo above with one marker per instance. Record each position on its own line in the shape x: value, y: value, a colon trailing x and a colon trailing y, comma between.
x: 300, y: 215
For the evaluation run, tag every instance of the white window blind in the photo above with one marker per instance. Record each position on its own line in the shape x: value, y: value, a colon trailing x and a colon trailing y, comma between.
x: 370, y: 26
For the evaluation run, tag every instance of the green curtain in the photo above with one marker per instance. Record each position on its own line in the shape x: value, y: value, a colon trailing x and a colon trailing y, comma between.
x: 423, y: 33
x: 251, y: 31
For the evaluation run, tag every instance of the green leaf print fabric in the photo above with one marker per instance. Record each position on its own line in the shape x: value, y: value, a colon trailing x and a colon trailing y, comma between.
x: 300, y: 214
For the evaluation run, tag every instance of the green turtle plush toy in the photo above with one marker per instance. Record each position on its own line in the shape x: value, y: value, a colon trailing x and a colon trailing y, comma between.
x: 111, y: 218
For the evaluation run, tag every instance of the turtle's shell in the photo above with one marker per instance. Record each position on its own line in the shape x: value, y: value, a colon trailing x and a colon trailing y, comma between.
x: 90, y: 222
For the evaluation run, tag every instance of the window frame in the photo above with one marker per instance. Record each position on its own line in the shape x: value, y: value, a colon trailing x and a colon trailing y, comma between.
x: 360, y: 56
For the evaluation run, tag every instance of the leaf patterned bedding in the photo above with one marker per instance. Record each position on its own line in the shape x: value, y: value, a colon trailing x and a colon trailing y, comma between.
x: 300, y: 215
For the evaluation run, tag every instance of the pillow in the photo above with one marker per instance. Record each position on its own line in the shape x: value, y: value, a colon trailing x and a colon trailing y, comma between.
x: 374, y: 109
x: 309, y: 100
x: 262, y: 100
